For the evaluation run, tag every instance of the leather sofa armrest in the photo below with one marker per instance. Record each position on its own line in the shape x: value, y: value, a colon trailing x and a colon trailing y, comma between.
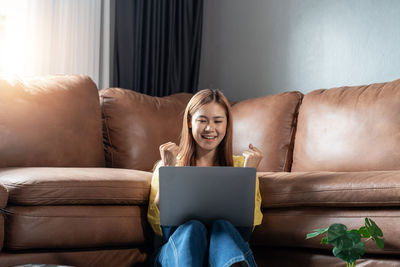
x: 3, y: 204
x: 3, y: 196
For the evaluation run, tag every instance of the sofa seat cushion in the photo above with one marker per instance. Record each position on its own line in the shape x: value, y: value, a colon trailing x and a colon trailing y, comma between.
x: 76, y: 186
x: 86, y: 226
x: 296, y: 257
x: 123, y: 257
x: 288, y: 227
x: 345, y: 189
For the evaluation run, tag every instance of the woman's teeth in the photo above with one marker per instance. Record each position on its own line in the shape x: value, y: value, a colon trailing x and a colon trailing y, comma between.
x: 209, y: 137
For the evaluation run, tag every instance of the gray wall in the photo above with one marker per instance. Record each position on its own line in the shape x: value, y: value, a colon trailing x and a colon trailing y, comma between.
x: 253, y: 48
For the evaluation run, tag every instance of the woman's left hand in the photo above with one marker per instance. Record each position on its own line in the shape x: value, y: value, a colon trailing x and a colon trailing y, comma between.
x: 252, y: 157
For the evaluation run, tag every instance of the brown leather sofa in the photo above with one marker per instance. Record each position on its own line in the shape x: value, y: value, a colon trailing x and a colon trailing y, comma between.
x: 75, y: 171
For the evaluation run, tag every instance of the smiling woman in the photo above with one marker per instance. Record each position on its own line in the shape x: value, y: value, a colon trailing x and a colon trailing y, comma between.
x: 206, y: 141
x: 208, y: 116
x: 208, y: 125
x: 52, y: 37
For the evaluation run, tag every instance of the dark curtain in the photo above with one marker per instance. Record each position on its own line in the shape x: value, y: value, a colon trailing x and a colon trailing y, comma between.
x: 157, y: 45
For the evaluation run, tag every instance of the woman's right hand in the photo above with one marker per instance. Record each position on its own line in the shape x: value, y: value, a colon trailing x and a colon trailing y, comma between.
x: 168, y: 152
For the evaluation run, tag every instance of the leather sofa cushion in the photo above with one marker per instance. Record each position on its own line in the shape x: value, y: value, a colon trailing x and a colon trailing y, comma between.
x: 287, y: 227
x: 89, y: 258
x: 349, y: 129
x: 3, y: 203
x: 50, y: 121
x: 76, y: 186
x: 135, y: 125
x: 85, y: 226
x: 344, y: 189
x: 297, y: 257
x: 3, y: 195
x: 1, y: 232
x: 268, y: 123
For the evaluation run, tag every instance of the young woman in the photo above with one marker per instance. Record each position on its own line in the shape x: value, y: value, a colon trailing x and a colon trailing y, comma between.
x: 206, y: 140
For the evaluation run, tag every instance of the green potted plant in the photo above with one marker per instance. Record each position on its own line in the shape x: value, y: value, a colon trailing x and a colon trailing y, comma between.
x: 348, y: 244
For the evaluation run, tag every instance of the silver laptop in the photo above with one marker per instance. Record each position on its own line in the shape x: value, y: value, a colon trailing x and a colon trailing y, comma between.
x: 207, y: 194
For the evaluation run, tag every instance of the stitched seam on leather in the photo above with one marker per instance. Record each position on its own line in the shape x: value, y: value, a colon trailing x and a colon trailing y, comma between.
x: 292, y: 133
x: 81, y: 216
x: 344, y: 217
x: 61, y: 201
x: 107, y: 129
x: 78, y: 186
x: 10, y: 246
x: 337, y: 190
x: 369, y: 249
x: 295, y: 204
x: 68, y: 201
x: 77, y: 198
x: 72, y: 216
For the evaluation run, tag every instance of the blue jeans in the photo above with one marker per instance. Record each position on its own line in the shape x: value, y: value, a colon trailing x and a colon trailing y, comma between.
x: 191, y: 245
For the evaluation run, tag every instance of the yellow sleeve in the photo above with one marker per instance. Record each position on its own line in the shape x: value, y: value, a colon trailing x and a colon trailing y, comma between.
x: 153, y: 213
x: 238, y: 161
x: 258, y: 216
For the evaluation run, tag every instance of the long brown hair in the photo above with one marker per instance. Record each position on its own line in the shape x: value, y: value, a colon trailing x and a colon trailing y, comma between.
x: 187, y: 145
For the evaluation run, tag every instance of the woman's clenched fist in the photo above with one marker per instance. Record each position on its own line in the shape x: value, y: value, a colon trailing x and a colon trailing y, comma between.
x: 252, y: 157
x: 168, y: 152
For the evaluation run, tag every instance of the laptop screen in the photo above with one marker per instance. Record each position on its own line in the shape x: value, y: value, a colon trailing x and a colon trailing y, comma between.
x: 207, y: 194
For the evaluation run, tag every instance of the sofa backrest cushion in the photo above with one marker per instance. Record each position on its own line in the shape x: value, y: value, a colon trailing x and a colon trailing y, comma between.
x: 353, y: 128
x: 268, y: 123
x: 51, y: 121
x: 135, y: 125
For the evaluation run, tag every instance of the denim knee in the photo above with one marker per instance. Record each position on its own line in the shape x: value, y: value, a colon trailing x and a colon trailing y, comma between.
x: 195, y: 228
x: 227, y: 246
x: 223, y: 224
x: 187, y: 246
x: 195, y: 225
x: 228, y: 229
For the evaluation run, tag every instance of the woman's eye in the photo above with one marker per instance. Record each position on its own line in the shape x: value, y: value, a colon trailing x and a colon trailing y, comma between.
x: 218, y: 121
x: 202, y: 121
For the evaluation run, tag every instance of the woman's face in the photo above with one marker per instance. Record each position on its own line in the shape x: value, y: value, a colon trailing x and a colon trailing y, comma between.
x: 209, y: 126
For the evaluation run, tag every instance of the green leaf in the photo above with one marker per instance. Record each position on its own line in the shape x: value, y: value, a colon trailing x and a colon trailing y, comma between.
x: 375, y: 232
x: 335, y: 233
x: 324, y: 240
x: 317, y: 232
x: 350, y: 247
x: 380, y: 242
x: 364, y: 232
x: 372, y: 228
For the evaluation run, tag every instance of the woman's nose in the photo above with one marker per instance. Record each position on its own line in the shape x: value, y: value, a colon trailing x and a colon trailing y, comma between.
x: 209, y: 127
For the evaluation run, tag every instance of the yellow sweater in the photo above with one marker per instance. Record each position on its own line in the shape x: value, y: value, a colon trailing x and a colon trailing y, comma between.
x: 153, y: 213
